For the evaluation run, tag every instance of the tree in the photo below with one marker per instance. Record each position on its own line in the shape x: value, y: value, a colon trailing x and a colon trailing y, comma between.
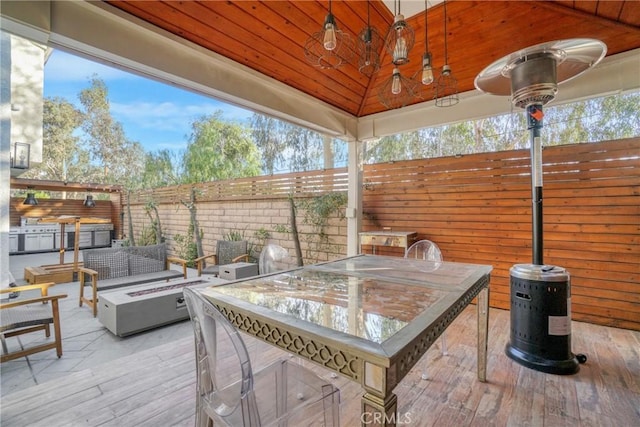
x: 593, y: 120
x: 285, y: 146
x: 116, y: 155
x: 160, y: 170
x: 63, y: 158
x: 265, y: 134
x: 219, y: 150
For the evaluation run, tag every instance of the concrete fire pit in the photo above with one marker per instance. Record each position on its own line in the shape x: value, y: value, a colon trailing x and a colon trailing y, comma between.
x: 135, y: 309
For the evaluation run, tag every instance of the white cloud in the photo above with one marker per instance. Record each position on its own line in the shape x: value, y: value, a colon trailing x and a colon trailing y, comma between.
x: 170, y: 116
x: 160, y: 116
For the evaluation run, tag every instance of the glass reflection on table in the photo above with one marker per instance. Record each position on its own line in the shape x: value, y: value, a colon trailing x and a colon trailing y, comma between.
x: 327, y: 297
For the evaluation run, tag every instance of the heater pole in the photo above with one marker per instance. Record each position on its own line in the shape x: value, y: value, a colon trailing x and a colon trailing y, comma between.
x: 534, y: 121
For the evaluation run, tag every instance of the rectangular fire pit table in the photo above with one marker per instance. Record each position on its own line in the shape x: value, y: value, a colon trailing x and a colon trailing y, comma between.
x: 134, y: 309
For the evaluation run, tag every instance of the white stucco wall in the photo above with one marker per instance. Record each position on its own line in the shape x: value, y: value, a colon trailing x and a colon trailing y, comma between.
x: 27, y: 85
x: 5, y: 136
x: 21, y: 100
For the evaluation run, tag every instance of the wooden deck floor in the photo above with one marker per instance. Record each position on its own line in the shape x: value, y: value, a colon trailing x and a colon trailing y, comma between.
x: 157, y: 386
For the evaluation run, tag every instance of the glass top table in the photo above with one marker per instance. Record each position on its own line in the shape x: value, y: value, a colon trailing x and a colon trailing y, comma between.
x: 369, y: 318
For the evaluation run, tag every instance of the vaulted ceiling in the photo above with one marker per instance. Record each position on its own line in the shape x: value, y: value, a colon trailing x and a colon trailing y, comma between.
x: 269, y: 37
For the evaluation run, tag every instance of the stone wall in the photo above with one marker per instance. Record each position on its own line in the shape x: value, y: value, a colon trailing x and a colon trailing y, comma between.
x: 249, y: 218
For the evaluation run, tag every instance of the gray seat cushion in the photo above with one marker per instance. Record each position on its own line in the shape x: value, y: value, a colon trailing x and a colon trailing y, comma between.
x: 212, y: 269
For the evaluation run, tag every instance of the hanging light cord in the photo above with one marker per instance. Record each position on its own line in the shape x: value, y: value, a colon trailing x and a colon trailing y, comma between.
x: 426, y: 38
x: 446, y: 58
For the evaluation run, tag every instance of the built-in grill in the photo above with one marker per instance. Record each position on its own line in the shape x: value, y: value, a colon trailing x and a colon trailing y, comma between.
x: 32, y: 237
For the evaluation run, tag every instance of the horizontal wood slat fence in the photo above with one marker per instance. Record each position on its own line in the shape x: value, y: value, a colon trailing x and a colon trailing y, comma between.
x: 477, y: 208
x: 301, y: 184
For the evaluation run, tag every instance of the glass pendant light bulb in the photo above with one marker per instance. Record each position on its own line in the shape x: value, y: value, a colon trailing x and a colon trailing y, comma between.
x: 427, y: 76
x: 400, y: 49
x: 330, y: 42
x: 427, y: 71
x: 396, y: 83
x: 367, y: 55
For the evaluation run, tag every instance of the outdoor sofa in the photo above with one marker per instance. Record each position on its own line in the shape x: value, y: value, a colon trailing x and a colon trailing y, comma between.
x: 111, y: 268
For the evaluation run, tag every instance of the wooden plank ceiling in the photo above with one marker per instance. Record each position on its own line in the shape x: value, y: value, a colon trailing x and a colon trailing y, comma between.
x: 269, y: 37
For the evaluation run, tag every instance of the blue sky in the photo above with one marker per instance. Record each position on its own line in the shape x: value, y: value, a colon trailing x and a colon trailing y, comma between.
x: 157, y: 115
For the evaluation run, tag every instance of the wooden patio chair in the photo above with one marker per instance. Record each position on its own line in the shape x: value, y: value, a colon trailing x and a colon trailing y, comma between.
x: 227, y: 252
x: 24, y: 316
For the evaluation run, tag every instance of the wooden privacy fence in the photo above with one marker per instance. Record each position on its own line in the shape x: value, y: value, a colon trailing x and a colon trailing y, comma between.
x: 477, y: 208
x: 300, y: 184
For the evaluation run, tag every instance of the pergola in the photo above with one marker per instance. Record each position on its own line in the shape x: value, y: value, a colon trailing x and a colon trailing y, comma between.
x: 250, y: 53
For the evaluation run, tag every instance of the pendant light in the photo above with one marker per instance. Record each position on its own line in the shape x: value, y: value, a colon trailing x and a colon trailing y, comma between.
x: 329, y: 47
x: 30, y: 200
x: 446, y: 85
x: 89, y: 202
x: 369, y: 45
x: 400, y: 38
x: 397, y: 91
x: 426, y: 72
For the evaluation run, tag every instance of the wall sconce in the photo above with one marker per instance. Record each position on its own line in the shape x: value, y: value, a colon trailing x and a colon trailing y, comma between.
x: 30, y: 200
x: 21, y: 156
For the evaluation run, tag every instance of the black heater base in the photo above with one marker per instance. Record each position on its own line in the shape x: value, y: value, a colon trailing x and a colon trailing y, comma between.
x: 541, y: 319
x: 556, y: 367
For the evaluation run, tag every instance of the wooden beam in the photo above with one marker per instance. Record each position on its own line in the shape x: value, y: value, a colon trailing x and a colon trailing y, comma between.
x: 36, y: 184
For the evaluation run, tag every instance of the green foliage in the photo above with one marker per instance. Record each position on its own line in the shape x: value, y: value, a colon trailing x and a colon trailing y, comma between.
x: 234, y: 235
x: 219, y: 150
x: 187, y: 248
x: 63, y: 157
x: 319, y: 209
x: 237, y: 236
x: 102, y: 154
x: 151, y: 210
x: 118, y: 157
x: 262, y: 234
x: 160, y: 169
x: 285, y: 146
x: 317, y: 213
x: 147, y: 236
x: 600, y: 119
x: 280, y: 228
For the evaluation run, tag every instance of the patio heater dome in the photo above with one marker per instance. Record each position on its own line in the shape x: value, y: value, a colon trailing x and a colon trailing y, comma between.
x: 532, y: 75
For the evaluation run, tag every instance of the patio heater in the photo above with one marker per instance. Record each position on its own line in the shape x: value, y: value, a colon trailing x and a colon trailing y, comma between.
x: 540, y: 336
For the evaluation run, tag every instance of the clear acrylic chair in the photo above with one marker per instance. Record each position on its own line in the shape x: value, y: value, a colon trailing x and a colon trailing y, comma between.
x: 230, y: 393
x: 274, y: 258
x: 424, y: 249
x: 428, y: 251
